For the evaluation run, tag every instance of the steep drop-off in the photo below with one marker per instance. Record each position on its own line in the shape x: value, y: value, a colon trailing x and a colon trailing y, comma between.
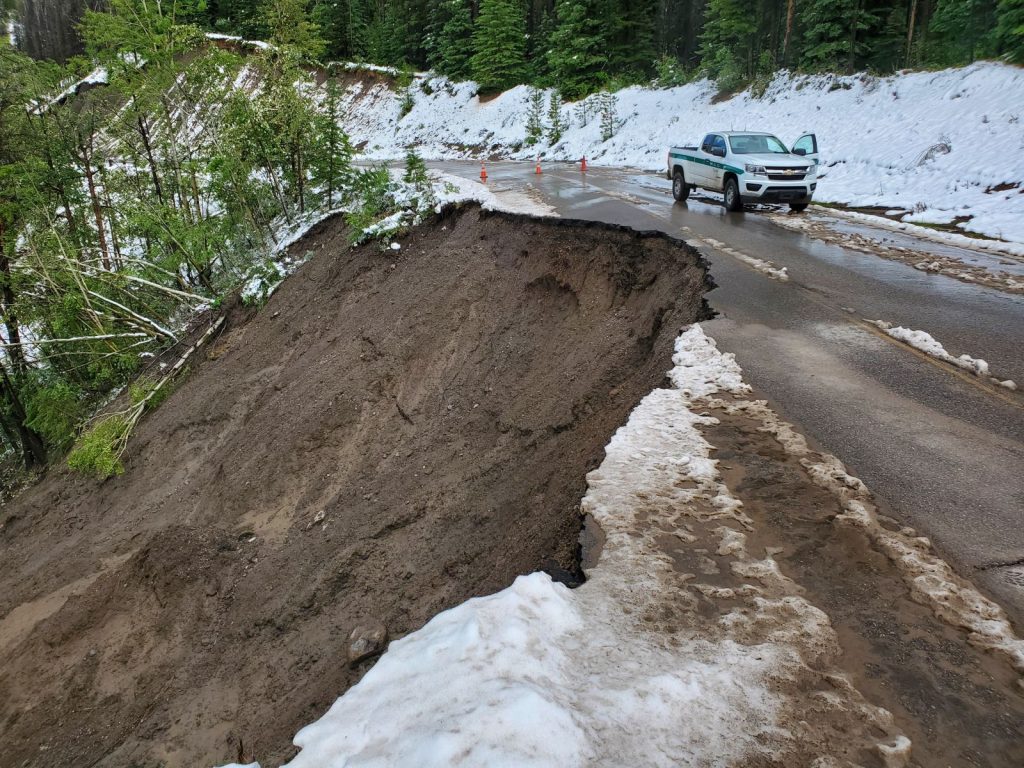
x: 394, y: 432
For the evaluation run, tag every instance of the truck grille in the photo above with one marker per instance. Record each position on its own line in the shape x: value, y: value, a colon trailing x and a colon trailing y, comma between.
x: 786, y: 174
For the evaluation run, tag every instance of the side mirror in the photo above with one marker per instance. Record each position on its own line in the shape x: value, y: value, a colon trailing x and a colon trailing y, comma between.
x: 718, y: 151
x: 799, y: 151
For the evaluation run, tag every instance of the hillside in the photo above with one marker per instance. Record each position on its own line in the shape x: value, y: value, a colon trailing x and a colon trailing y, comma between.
x: 940, y: 147
x: 391, y: 434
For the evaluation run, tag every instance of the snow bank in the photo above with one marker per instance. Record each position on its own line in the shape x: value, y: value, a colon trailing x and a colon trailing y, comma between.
x: 928, y: 344
x: 935, y: 145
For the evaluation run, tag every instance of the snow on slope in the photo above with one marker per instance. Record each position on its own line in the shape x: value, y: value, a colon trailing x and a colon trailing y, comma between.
x: 624, y: 670
x: 933, y: 144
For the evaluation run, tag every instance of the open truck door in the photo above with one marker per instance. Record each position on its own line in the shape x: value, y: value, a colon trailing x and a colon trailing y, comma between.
x: 806, y: 146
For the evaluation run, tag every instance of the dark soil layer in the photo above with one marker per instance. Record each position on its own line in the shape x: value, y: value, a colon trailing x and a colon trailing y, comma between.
x: 393, y: 433
x: 960, y: 706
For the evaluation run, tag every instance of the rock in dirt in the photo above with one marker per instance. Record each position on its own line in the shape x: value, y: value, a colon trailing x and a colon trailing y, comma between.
x: 366, y: 640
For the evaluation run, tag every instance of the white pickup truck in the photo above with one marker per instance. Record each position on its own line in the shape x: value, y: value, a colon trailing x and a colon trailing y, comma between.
x: 747, y: 167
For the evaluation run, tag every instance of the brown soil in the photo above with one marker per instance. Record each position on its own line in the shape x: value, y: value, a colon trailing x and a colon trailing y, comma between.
x: 393, y: 433
x: 958, y: 705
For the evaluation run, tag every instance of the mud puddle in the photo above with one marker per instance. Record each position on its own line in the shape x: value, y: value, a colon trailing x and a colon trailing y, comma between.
x: 959, y: 705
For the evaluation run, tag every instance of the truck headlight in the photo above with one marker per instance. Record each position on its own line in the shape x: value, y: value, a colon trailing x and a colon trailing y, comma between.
x: 812, y: 170
x: 757, y: 170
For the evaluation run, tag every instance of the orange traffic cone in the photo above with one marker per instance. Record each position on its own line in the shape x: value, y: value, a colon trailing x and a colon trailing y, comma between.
x: 483, y: 173
x: 583, y: 164
x: 538, y: 171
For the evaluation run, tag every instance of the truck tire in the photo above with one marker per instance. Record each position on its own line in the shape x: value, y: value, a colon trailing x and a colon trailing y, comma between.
x: 798, y: 207
x: 733, y: 201
x: 680, y: 189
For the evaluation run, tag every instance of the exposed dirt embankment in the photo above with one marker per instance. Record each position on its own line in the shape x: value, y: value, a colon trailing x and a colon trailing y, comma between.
x: 394, y: 432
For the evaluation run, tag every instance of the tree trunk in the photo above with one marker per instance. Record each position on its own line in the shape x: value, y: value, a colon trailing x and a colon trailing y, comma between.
x: 33, y: 449
x: 14, y: 352
x: 144, y: 133
x: 910, y: 30
x: 790, y: 13
x: 97, y: 208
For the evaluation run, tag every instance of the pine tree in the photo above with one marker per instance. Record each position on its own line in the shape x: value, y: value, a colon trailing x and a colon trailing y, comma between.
x: 534, y: 113
x: 455, y: 41
x: 727, y: 42
x: 608, y: 105
x: 633, y: 23
x: 961, y: 31
x: 1010, y: 29
x: 578, y: 50
x: 291, y: 29
x: 833, y: 33
x: 360, y: 17
x: 332, y: 16
x: 556, y: 127
x: 499, y: 40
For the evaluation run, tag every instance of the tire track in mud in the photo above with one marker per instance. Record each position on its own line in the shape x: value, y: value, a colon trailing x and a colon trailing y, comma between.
x: 958, y: 704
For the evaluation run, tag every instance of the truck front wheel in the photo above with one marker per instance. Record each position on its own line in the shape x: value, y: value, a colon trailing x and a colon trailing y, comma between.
x: 733, y: 201
x: 798, y: 207
x: 680, y: 189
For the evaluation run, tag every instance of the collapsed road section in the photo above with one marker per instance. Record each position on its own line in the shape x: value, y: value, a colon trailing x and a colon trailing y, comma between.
x: 701, y: 637
x: 394, y: 432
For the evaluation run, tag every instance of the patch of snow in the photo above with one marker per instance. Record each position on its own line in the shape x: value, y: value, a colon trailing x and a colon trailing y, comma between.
x: 264, y: 46
x: 451, y: 188
x: 926, y: 233
x: 928, y: 344
x: 761, y: 265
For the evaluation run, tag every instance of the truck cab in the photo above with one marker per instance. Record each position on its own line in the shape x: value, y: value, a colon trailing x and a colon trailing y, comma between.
x: 747, y: 167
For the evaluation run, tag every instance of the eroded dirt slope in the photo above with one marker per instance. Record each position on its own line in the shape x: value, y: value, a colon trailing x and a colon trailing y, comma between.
x: 392, y: 433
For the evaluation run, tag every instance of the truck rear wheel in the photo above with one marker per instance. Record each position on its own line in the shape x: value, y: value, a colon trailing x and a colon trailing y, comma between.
x: 733, y: 201
x: 680, y: 189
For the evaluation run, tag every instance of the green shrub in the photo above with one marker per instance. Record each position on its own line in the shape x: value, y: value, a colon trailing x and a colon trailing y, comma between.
x: 54, y: 411
x: 671, y: 72
x: 406, y: 104
x: 144, y: 390
x: 98, y: 451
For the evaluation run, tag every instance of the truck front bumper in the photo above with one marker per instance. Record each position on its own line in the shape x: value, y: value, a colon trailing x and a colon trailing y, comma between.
x: 763, y: 191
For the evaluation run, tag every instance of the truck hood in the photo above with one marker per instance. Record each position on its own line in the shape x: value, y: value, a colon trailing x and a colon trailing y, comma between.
x: 775, y: 161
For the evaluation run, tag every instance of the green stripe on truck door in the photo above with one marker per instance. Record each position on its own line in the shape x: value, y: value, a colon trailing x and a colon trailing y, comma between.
x: 705, y: 161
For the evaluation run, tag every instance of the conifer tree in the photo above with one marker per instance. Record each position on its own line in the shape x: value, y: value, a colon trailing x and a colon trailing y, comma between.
x: 455, y: 40
x: 534, y: 113
x: 608, y: 105
x: 499, y: 39
x: 1010, y: 29
x: 578, y: 50
x: 632, y: 28
x: 290, y: 28
x: 727, y: 42
x: 360, y: 16
x: 556, y: 127
x: 833, y: 33
x: 961, y: 31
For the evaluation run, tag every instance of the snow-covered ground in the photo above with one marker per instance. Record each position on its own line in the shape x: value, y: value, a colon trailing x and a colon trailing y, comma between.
x: 934, y: 145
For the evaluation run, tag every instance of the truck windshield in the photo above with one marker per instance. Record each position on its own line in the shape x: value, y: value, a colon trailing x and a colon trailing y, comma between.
x: 756, y: 144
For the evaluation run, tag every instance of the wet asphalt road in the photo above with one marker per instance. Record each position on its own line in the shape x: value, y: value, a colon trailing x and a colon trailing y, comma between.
x: 942, y: 451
